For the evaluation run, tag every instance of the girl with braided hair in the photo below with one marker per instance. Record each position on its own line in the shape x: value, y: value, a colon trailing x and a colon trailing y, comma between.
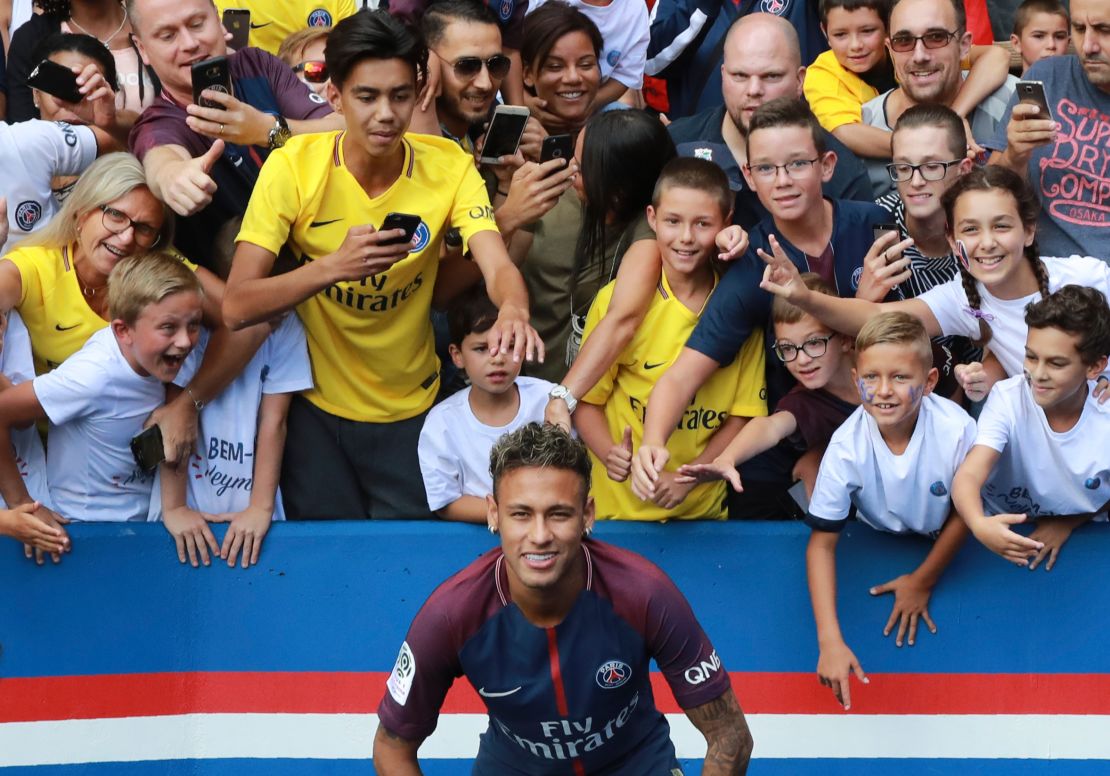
x: 991, y: 223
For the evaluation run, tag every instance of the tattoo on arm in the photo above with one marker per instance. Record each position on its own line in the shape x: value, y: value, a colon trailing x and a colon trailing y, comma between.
x: 726, y: 733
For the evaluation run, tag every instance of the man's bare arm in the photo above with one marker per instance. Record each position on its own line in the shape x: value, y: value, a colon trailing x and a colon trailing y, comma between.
x: 726, y: 733
x: 393, y: 755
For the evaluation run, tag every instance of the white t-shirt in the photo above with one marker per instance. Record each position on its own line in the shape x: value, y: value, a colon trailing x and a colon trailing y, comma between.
x: 454, y: 445
x: 897, y: 493
x: 950, y: 307
x: 21, y: 12
x: 31, y: 154
x: 96, y: 403
x: 624, y: 29
x: 221, y: 471
x: 1042, y: 472
x: 17, y: 366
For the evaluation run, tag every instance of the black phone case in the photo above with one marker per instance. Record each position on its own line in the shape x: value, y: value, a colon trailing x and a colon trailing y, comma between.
x: 557, y: 147
x: 410, y: 223
x: 212, y: 74
x: 148, y: 448
x: 238, y: 22
x: 56, y: 80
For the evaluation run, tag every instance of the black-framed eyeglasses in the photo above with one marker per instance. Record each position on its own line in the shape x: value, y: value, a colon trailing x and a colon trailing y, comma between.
x: 469, y: 67
x: 116, y: 222
x: 313, y: 70
x: 900, y: 172
x: 814, y: 347
x: 933, y: 39
x: 796, y: 168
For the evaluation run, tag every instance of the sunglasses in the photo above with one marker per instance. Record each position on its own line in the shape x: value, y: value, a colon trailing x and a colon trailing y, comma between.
x: 934, y: 39
x: 315, y: 71
x: 469, y: 67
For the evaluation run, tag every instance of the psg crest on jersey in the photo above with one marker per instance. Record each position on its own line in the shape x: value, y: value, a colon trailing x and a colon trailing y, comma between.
x: 27, y: 214
x: 777, y: 7
x: 505, y: 10
x: 613, y: 674
x: 319, y: 18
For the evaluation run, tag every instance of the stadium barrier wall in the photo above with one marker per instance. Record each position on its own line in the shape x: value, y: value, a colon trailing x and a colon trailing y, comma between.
x: 121, y: 661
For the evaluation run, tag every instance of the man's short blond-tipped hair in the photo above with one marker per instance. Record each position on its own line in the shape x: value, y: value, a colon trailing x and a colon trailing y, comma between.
x: 783, y: 311
x: 145, y: 279
x: 896, y: 328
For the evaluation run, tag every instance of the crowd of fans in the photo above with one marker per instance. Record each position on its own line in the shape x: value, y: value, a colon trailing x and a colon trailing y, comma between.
x: 781, y: 299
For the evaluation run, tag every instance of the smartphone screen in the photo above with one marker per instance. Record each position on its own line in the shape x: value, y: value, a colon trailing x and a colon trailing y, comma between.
x: 56, y: 80
x: 237, y: 21
x: 211, y: 74
x: 503, y: 135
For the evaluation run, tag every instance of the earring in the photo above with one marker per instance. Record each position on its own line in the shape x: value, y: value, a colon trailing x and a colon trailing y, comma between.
x: 587, y: 532
x: 492, y: 528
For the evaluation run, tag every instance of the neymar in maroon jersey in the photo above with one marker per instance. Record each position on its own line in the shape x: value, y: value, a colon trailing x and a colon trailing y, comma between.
x: 557, y: 631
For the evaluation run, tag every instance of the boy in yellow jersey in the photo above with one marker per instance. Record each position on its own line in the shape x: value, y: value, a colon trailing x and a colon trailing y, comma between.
x: 363, y: 293
x: 272, y: 22
x: 692, y: 202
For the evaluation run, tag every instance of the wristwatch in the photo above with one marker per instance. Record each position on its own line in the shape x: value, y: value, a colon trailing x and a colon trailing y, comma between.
x: 562, y: 392
x: 280, y: 133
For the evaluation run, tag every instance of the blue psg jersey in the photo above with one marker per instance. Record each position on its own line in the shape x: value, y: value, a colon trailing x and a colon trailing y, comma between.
x: 572, y: 699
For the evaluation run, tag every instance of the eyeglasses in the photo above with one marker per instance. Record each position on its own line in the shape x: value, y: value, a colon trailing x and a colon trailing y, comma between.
x: 930, y: 171
x: 469, y: 67
x: 795, y: 169
x: 116, y: 222
x: 315, y: 71
x: 814, y: 347
x: 934, y: 39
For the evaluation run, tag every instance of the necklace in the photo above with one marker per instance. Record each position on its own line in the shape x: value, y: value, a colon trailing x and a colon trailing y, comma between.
x: 90, y: 292
x: 107, y: 40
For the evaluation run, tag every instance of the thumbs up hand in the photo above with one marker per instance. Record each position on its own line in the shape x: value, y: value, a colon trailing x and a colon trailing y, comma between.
x: 618, y: 463
x: 187, y: 186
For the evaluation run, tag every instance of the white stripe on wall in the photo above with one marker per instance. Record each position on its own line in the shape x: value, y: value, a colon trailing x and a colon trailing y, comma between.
x: 350, y: 736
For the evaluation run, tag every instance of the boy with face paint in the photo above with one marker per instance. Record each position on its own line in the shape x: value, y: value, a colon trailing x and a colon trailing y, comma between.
x: 1040, y: 448
x: 893, y: 460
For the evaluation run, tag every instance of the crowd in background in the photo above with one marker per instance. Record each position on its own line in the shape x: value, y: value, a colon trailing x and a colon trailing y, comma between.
x: 767, y: 260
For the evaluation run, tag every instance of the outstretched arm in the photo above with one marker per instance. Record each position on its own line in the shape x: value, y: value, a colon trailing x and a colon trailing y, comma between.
x: 835, y: 662
x: 993, y: 532
x: 729, y: 742
x: 393, y: 755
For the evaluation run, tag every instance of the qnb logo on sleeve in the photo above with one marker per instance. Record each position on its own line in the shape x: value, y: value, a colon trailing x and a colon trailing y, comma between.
x: 400, y: 680
x: 704, y: 670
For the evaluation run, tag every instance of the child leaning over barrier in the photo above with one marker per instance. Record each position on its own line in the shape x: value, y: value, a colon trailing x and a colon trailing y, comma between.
x: 100, y: 397
x: 1040, y: 451
x: 232, y: 475
x: 805, y: 419
x: 892, y: 461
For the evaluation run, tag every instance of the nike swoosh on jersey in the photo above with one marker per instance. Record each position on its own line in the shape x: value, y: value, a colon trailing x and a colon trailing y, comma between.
x: 60, y: 327
x: 315, y: 224
x: 260, y: 26
x: 649, y: 365
x: 484, y: 694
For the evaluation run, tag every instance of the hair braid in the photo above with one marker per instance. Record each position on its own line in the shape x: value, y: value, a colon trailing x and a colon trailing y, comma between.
x: 975, y: 302
x: 1040, y: 271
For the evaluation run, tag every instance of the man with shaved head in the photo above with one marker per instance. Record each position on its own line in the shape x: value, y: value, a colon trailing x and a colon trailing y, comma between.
x: 762, y: 61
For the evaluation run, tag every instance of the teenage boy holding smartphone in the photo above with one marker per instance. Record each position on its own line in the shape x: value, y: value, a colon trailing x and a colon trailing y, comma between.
x: 363, y: 297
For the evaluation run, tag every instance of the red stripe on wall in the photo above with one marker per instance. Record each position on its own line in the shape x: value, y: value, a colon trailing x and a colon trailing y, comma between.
x: 142, y: 695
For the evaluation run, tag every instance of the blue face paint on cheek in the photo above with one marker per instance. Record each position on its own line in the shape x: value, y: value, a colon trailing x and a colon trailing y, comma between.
x: 1028, y: 377
x: 866, y: 395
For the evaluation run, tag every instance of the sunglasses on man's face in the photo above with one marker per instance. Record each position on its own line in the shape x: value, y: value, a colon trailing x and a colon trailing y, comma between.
x: 314, y: 71
x: 469, y: 67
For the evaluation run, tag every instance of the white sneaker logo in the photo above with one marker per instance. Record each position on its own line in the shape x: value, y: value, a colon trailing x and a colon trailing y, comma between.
x: 484, y: 694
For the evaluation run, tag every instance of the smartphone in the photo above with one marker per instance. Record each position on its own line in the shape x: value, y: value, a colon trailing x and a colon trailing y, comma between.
x: 504, y: 133
x: 211, y: 74
x: 56, y: 80
x: 1033, y: 92
x: 878, y: 230
x: 557, y: 147
x: 405, y: 221
x: 148, y: 448
x: 237, y: 21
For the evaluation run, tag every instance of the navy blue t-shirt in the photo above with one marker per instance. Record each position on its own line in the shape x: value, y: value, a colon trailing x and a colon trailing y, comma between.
x: 700, y: 137
x: 572, y: 699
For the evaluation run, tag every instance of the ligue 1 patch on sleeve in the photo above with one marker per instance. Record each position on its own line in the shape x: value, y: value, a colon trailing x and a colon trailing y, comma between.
x: 400, y: 680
